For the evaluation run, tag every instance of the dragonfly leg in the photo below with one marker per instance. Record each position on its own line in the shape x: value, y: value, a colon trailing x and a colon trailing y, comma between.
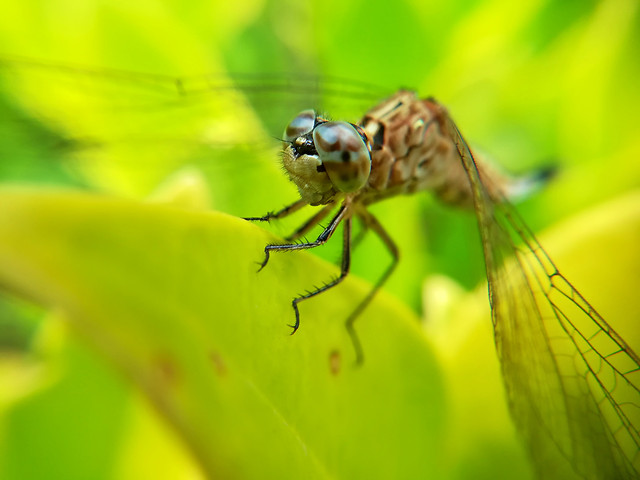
x: 288, y: 210
x: 371, y: 222
x: 311, y: 222
x: 360, y: 235
x: 344, y: 271
x: 322, y: 239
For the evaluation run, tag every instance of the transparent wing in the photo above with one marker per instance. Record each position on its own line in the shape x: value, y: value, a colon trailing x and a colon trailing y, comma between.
x: 214, y: 96
x: 126, y: 133
x: 573, y: 384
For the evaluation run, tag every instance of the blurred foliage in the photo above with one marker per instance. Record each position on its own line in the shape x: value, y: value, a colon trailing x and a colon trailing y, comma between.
x: 531, y: 83
x: 202, y: 346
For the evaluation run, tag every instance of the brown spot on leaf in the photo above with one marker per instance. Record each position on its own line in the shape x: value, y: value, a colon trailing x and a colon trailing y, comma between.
x: 335, y: 362
x: 167, y: 368
x: 218, y: 363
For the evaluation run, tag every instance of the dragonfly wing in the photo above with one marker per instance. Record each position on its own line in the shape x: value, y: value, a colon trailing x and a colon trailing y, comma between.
x: 56, y: 87
x: 126, y: 132
x: 573, y: 384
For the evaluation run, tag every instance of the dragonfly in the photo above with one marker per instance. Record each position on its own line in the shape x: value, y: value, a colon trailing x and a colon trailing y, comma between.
x: 572, y: 382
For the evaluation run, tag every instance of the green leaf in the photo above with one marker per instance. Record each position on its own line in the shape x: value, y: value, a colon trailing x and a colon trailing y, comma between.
x: 63, y: 394
x: 172, y: 298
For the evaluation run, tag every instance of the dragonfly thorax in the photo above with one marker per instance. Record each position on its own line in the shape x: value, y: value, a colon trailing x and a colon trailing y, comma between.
x: 325, y: 159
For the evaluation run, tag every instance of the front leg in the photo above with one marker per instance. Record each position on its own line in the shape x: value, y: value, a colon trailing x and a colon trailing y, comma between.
x: 322, y: 239
x: 288, y: 210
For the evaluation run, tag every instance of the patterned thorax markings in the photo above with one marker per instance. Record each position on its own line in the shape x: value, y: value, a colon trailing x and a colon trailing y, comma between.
x: 413, y: 151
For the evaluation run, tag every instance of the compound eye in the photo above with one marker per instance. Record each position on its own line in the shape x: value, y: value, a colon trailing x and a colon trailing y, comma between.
x: 303, y: 123
x: 343, y: 154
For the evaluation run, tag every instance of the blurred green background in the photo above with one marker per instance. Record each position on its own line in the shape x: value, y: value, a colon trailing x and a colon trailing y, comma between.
x: 532, y: 84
